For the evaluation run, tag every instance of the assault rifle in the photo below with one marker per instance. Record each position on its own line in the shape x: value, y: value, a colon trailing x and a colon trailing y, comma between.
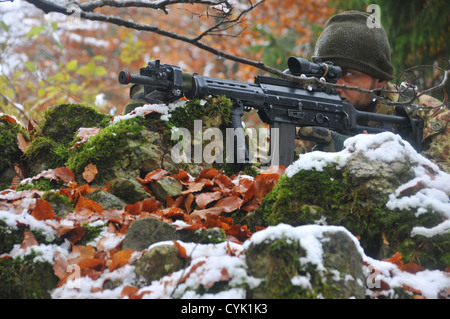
x: 281, y: 103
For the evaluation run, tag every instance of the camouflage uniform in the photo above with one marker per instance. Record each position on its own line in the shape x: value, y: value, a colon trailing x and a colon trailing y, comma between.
x: 350, y: 43
x: 436, y: 132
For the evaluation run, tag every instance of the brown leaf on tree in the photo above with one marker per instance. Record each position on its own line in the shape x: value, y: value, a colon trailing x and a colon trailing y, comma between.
x: 28, y: 240
x: 42, y: 210
x: 89, y: 173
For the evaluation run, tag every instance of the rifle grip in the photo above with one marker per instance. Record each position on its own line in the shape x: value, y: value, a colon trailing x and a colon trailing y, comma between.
x: 240, y: 149
x: 282, y: 143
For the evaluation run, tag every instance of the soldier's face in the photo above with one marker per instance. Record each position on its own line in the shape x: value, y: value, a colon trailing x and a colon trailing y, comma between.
x: 361, y: 101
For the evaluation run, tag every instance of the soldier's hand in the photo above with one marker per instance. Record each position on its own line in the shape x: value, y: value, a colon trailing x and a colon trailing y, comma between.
x: 327, y: 140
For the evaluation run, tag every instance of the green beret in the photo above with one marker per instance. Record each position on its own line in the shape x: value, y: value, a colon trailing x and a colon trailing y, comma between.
x: 349, y: 41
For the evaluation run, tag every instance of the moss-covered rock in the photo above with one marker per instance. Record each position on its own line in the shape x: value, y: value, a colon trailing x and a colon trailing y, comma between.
x: 26, y: 278
x: 156, y: 263
x: 125, y: 149
x: 354, y: 192
x: 288, y: 263
x: 62, y: 121
x: 51, y: 144
x: 10, y: 153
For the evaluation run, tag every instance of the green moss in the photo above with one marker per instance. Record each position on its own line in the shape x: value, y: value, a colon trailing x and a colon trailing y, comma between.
x: 304, y: 197
x: 326, y: 196
x: 214, y: 113
x: 42, y: 184
x: 62, y: 121
x: 92, y: 232
x: 10, y: 152
x: 61, y: 204
x: 277, y: 262
x: 50, y: 146
x: 9, y: 237
x: 25, y: 278
x: 44, y: 153
x: 107, y: 147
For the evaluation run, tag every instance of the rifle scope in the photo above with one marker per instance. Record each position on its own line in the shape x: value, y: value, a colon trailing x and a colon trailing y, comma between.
x: 317, y: 68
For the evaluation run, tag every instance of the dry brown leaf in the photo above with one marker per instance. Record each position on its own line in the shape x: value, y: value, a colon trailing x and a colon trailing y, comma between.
x: 28, y: 240
x: 203, y: 199
x: 121, y: 258
x: 79, y: 253
x: 22, y: 143
x: 42, y: 210
x: 89, y: 173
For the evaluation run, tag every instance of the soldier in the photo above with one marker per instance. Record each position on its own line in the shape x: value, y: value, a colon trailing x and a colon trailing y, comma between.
x: 363, y: 53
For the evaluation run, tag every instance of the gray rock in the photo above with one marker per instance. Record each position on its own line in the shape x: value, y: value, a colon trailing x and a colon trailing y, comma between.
x: 146, y: 231
x: 129, y: 190
x: 288, y: 272
x: 166, y: 186
x: 156, y: 263
x: 107, y: 200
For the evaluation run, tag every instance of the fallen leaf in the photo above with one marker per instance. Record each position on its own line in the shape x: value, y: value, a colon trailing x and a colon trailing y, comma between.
x: 89, y: 204
x: 89, y: 173
x: 188, y: 202
x: 208, y: 173
x: 42, y: 210
x: 153, y: 176
x: 396, y: 259
x: 28, y: 240
x: 84, y: 133
x: 9, y: 119
x: 412, y: 268
x: 264, y: 183
x: 79, y: 253
x: 203, y: 199
x: 146, y: 205
x: 60, y: 267
x: 181, y: 250
x: 22, y: 143
x: 121, y: 258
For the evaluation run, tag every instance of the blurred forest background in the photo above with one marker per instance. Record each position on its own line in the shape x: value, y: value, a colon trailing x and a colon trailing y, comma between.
x: 47, y: 59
